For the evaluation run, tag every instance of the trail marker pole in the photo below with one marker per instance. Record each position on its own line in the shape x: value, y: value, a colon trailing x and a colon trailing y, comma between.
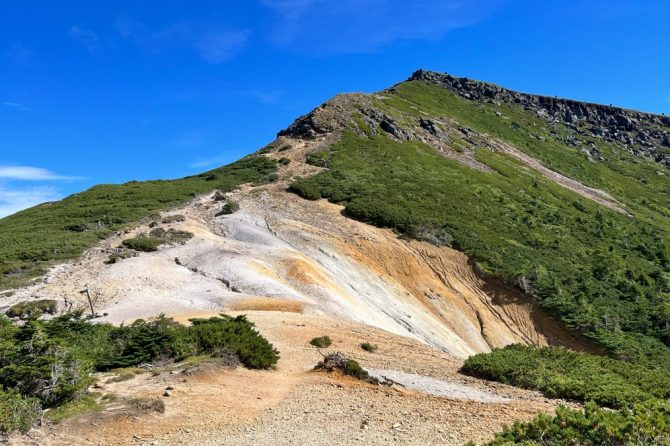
x: 90, y: 302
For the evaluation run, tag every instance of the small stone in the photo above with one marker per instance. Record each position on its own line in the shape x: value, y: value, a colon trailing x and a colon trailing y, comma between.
x: 167, y: 393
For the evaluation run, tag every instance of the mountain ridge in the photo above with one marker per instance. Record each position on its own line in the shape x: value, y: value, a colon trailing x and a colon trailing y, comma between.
x: 603, y: 121
x: 439, y: 78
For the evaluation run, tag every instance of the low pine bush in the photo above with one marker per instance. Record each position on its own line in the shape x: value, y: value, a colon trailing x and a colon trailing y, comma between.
x: 353, y: 368
x: 321, y: 342
x: 143, y: 342
x: 30, y: 309
x: 229, y: 208
x: 18, y: 413
x: 305, y: 189
x: 561, y: 373
x: 224, y: 333
x: 369, y: 347
x: 644, y: 424
x: 143, y: 243
x: 173, y: 219
x: 46, y: 364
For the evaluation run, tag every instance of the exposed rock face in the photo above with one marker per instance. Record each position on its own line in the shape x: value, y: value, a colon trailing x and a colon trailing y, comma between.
x: 639, y: 133
x: 330, y: 116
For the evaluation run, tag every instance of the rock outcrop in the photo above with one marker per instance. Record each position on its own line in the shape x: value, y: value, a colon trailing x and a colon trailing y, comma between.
x: 642, y: 134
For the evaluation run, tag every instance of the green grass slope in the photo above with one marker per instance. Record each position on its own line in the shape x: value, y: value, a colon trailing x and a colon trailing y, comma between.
x: 602, y: 273
x: 33, y: 239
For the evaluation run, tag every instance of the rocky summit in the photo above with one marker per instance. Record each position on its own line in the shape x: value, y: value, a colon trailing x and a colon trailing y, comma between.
x: 642, y: 134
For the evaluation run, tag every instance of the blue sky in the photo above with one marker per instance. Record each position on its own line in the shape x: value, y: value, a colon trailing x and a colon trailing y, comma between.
x: 112, y: 91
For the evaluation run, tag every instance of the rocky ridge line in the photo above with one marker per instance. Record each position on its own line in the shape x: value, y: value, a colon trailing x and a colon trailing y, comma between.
x: 641, y: 134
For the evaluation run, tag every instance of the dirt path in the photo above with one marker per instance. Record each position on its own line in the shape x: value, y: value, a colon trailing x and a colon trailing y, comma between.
x: 599, y: 196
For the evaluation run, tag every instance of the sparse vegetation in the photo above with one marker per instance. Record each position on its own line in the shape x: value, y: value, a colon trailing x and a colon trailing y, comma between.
x: 85, y: 404
x: 173, y: 219
x: 321, y: 342
x: 33, y: 239
x: 32, y: 308
x: 369, y: 347
x: 348, y: 366
x: 152, y: 241
x: 143, y: 243
x: 147, y: 405
x: 119, y: 255
x: 229, y: 208
x: 125, y: 374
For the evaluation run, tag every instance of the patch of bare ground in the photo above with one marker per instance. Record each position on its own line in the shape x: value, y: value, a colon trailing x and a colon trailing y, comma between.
x: 267, y: 304
x: 599, y: 196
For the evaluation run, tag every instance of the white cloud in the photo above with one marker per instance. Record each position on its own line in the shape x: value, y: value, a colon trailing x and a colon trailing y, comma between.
x: 354, y: 26
x: 87, y: 37
x: 214, y: 43
x: 13, y: 200
x: 16, y: 198
x: 15, y: 106
x: 28, y: 173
